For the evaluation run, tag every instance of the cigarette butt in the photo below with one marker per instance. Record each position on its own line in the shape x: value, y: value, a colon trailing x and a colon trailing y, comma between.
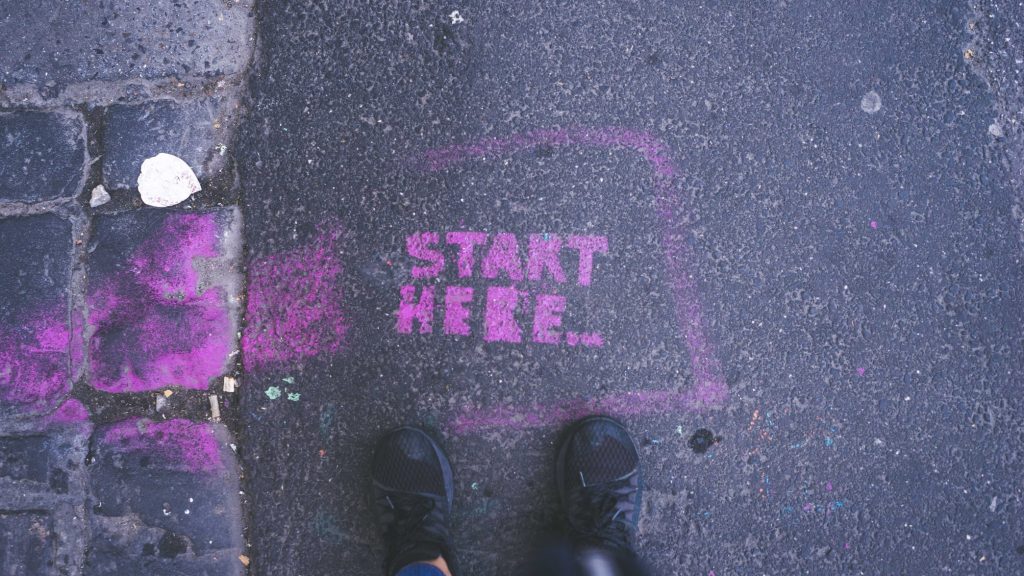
x: 229, y: 384
x: 214, y: 408
x: 244, y: 560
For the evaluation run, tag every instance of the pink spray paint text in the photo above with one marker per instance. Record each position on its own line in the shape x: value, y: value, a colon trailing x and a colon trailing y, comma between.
x: 502, y: 262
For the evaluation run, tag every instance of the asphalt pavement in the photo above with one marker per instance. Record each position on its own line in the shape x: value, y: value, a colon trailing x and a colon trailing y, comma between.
x: 780, y: 240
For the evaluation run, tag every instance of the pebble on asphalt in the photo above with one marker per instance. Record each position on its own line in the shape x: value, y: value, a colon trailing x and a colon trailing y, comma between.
x: 871, y: 102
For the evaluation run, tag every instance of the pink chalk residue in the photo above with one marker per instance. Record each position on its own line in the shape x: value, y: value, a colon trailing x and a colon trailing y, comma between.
x: 467, y: 242
x: 624, y: 404
x: 544, y: 249
x: 710, y: 387
x: 500, y: 315
x: 416, y: 305
x: 587, y: 246
x: 503, y: 258
x: 456, y: 312
x: 295, y: 305
x: 152, y: 326
x: 179, y: 445
x: 547, y: 318
x: 34, y: 363
x: 421, y: 246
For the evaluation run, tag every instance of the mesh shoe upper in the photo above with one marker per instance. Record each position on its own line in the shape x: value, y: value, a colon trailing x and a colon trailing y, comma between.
x: 599, y: 482
x: 413, y: 491
x: 406, y: 460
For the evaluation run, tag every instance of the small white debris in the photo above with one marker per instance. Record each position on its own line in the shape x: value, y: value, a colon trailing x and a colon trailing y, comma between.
x: 161, y: 403
x: 871, y: 102
x: 992, y: 505
x: 100, y: 196
x: 230, y: 384
x: 995, y: 130
x: 166, y: 180
x: 214, y: 408
x: 456, y: 18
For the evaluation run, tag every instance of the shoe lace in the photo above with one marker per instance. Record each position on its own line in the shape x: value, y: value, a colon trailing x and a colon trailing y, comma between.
x: 600, y: 514
x: 412, y: 521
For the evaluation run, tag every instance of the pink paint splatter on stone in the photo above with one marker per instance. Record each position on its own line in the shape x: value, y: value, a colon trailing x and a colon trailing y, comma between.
x: 34, y: 363
x: 295, y: 307
x: 179, y: 445
x: 153, y: 327
x: 70, y: 412
x: 861, y: 371
x: 710, y: 389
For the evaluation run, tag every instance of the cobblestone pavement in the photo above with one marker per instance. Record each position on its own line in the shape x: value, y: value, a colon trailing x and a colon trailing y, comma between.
x: 119, y: 322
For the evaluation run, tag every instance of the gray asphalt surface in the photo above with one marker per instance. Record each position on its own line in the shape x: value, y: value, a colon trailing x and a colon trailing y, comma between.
x: 809, y: 309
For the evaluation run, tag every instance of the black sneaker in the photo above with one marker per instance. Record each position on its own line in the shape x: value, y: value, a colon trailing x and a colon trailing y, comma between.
x: 413, y: 489
x: 599, y: 484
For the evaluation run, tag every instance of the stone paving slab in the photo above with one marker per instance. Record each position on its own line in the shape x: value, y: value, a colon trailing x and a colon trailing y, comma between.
x: 42, y: 155
x: 165, y: 500
x: 43, y: 486
x: 34, y: 320
x: 195, y: 131
x: 54, y: 43
x: 163, y: 299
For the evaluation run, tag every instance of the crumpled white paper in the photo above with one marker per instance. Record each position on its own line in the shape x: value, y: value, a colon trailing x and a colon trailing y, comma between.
x: 166, y: 180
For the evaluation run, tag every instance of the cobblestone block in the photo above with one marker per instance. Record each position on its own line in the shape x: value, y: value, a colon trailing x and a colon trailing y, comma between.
x: 194, y: 131
x: 163, y: 299
x: 165, y: 500
x: 43, y: 495
x: 42, y: 155
x: 34, y: 323
x: 53, y: 43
